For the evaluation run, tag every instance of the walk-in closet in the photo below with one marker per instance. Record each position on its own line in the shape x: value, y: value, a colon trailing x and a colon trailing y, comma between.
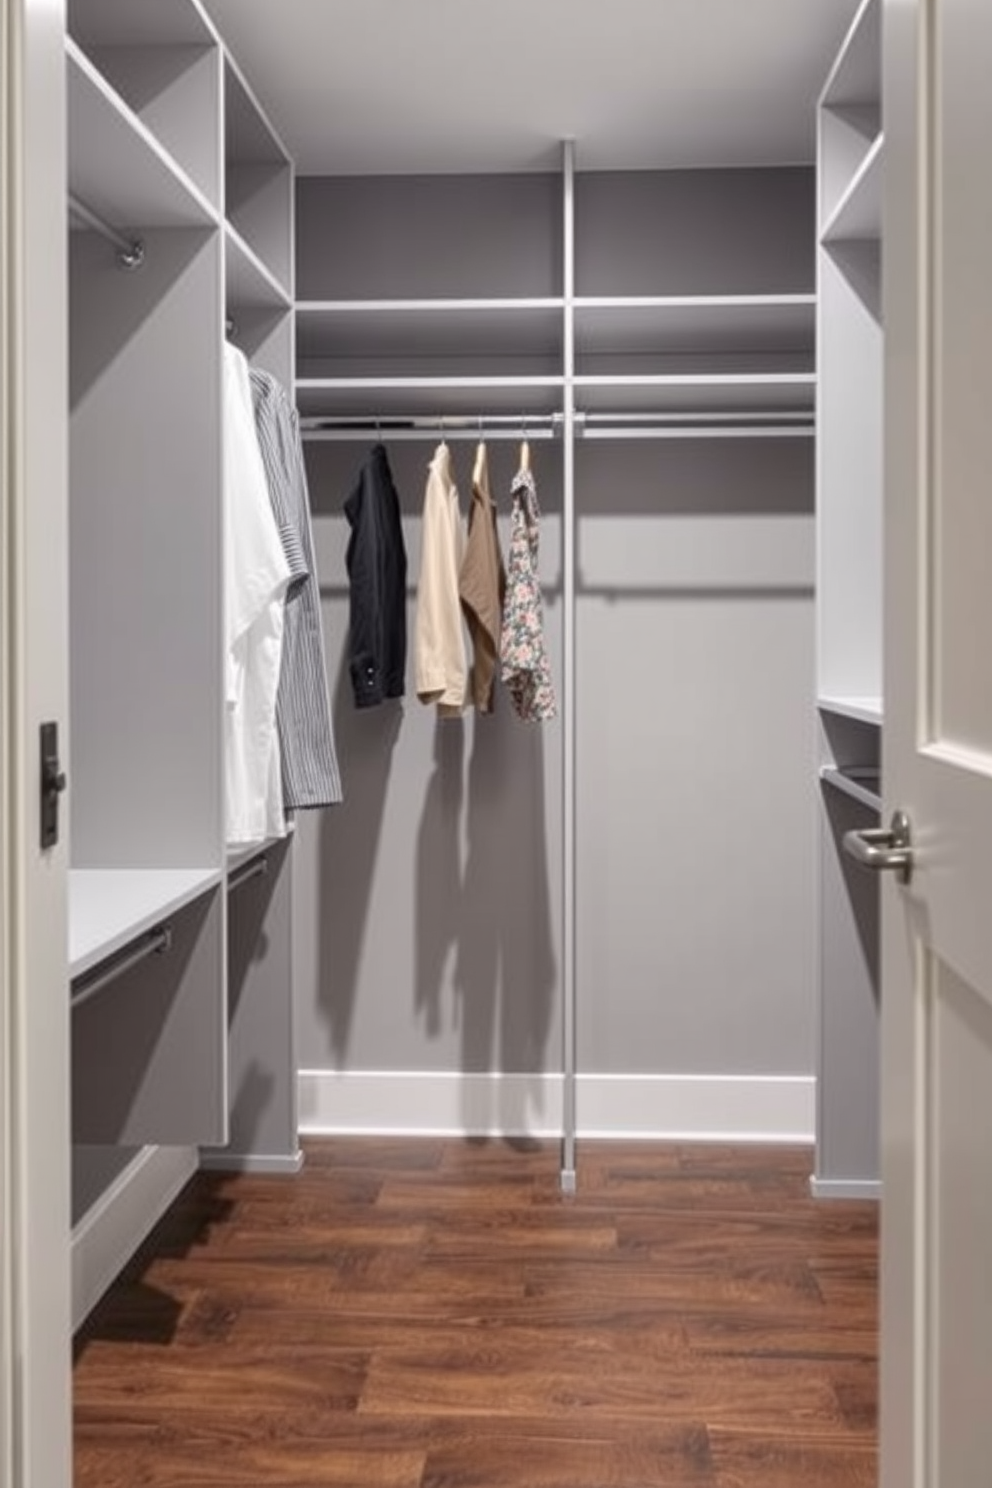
x: 622, y: 950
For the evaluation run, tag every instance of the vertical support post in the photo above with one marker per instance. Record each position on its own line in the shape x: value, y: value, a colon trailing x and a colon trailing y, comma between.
x: 568, y: 1167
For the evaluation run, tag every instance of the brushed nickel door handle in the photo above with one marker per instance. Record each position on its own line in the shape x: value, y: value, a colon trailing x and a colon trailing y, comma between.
x: 884, y: 847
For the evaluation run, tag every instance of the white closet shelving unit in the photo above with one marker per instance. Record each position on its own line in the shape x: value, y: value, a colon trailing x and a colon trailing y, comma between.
x: 180, y: 198
x: 586, y: 361
x: 694, y: 354
x: 849, y: 543
x: 429, y: 357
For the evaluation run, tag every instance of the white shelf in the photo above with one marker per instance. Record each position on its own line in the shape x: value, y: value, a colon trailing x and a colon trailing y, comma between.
x: 249, y: 282
x: 864, y: 709
x: 861, y: 786
x: 110, y: 907
x: 237, y: 857
x: 122, y: 23
x: 854, y: 77
x: 258, y: 179
x: 429, y: 328
x: 857, y: 217
x: 707, y: 324
x: 116, y: 166
x: 250, y: 135
x: 400, y: 396
x: 728, y: 393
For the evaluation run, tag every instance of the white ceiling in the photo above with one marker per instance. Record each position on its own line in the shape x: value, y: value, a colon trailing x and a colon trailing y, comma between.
x: 370, y: 86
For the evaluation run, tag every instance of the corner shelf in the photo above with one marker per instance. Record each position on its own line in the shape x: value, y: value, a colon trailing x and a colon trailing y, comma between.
x: 116, y: 166
x: 258, y: 179
x: 249, y: 282
x: 121, y: 23
x: 854, y: 78
x: 857, y: 216
x: 164, y: 62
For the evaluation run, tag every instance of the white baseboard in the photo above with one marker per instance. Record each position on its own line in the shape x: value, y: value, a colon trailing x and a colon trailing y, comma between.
x: 111, y: 1230
x: 218, y: 1160
x: 845, y: 1188
x: 694, y: 1108
x: 417, y: 1103
x: 755, y: 1108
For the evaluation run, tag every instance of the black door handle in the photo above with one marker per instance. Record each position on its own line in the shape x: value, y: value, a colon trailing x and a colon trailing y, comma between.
x: 53, y: 783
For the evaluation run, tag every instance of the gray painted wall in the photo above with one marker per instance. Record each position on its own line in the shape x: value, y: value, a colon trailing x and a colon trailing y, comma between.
x: 695, y: 757
x: 428, y: 905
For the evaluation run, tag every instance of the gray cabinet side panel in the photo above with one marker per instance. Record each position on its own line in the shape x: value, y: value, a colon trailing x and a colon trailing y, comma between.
x: 145, y: 529
x: 149, y: 1050
x: 848, y: 1094
x: 261, y: 1063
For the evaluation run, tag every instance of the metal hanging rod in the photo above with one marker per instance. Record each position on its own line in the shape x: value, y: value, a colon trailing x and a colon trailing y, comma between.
x: 130, y: 251
x: 699, y: 423
x: 257, y: 868
x: 786, y: 423
x: 155, y: 943
x: 702, y: 416
x: 700, y: 431
x: 490, y: 426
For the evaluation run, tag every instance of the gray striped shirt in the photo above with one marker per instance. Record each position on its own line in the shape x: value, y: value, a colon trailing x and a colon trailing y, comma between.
x: 310, y: 774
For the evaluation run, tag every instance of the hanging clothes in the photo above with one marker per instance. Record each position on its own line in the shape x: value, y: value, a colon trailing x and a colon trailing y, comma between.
x: 525, y: 666
x: 439, y: 640
x: 256, y: 577
x: 376, y: 563
x: 482, y: 587
x: 310, y: 776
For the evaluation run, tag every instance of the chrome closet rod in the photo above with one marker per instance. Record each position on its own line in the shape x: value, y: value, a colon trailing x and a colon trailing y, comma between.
x: 401, y: 436
x: 700, y: 431
x: 446, y: 426
x: 701, y: 416
x: 130, y: 251
x: 255, y: 869
x: 781, y: 424
x: 154, y: 943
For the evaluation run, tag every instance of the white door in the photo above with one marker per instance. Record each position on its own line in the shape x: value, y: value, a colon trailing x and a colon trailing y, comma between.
x: 34, y: 1067
x: 936, y: 1429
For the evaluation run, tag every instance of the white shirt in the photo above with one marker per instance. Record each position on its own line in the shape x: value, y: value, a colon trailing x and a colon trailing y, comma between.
x: 256, y: 576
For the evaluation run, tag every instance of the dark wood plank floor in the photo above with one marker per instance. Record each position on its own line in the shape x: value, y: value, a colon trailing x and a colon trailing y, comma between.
x: 421, y: 1314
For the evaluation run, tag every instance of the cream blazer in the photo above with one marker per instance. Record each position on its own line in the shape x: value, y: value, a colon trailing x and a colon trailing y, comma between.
x: 440, y: 665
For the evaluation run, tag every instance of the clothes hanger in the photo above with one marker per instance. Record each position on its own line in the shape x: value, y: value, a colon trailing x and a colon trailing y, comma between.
x: 524, y: 446
x: 480, y: 472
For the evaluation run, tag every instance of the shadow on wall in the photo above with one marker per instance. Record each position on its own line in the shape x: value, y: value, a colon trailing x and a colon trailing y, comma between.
x: 438, y: 888
x: 505, y: 966
x: 365, y: 740
x: 483, y: 938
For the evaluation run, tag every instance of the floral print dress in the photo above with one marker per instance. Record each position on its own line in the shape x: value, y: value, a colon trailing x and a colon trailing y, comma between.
x: 524, y: 660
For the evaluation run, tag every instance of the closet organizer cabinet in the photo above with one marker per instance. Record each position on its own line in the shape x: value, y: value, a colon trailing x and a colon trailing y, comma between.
x: 849, y: 545
x: 652, y: 334
x: 180, y: 204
